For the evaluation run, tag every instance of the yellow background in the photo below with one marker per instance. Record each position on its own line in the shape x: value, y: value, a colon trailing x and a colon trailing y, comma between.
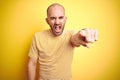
x: 20, y: 19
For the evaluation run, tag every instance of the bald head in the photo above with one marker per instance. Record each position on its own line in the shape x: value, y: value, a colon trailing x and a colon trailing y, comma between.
x: 53, y: 6
x: 56, y: 18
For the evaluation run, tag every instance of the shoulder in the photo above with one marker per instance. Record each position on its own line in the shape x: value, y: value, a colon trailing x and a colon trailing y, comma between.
x: 70, y: 32
x: 40, y: 37
x: 41, y: 33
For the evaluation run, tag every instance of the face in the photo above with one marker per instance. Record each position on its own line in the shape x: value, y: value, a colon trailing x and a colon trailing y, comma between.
x: 56, y: 19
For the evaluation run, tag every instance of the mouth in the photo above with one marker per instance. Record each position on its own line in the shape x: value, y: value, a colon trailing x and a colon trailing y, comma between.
x: 57, y: 29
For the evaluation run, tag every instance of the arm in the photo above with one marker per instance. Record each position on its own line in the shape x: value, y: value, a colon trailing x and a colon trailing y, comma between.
x: 33, y: 57
x: 31, y: 68
x: 84, y: 37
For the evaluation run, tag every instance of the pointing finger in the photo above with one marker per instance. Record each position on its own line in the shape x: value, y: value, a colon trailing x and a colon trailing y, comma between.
x: 88, y: 35
x: 96, y: 35
x: 92, y: 35
x: 82, y: 33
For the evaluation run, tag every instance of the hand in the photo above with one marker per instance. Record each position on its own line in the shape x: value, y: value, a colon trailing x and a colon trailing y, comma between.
x: 88, y: 36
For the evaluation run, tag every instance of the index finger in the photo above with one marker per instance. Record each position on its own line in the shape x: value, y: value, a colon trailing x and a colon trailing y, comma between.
x: 82, y: 33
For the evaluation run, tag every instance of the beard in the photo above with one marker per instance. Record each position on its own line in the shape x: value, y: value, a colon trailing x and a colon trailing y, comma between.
x: 57, y: 30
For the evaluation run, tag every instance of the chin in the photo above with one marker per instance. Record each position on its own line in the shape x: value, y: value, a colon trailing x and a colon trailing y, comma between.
x: 57, y: 34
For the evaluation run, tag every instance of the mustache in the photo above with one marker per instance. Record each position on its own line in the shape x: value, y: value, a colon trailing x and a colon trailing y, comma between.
x: 57, y: 24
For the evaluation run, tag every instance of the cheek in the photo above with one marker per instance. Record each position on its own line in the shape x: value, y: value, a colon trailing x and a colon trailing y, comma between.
x: 63, y: 22
x: 51, y: 23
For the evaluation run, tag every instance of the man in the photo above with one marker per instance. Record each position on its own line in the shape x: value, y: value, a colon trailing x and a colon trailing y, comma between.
x: 53, y: 48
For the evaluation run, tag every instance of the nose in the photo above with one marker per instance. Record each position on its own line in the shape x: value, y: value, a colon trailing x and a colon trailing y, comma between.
x: 57, y: 21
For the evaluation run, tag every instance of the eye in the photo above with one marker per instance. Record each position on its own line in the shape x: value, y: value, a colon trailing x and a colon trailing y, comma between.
x: 61, y: 17
x: 52, y: 18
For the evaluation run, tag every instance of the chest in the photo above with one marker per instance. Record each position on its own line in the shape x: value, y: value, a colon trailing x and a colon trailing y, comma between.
x: 49, y: 46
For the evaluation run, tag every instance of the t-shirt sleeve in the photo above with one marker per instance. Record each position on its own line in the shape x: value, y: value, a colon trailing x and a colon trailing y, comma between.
x: 33, y: 52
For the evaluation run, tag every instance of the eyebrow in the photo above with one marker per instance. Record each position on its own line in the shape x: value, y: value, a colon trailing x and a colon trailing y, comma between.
x: 55, y: 17
x: 61, y: 16
x: 52, y: 17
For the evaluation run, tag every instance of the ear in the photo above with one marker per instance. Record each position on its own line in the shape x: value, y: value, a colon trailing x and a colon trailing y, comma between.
x: 65, y: 18
x: 47, y: 20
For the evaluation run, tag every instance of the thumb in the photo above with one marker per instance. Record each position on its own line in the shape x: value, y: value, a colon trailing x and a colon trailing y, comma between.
x: 83, y: 42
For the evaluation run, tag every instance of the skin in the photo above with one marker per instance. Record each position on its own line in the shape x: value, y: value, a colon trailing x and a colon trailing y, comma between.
x: 31, y: 68
x: 56, y: 19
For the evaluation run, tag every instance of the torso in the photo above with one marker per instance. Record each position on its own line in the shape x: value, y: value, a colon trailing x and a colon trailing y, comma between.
x: 55, y: 55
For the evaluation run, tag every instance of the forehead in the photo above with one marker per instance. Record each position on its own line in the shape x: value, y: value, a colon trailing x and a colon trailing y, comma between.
x: 56, y: 10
